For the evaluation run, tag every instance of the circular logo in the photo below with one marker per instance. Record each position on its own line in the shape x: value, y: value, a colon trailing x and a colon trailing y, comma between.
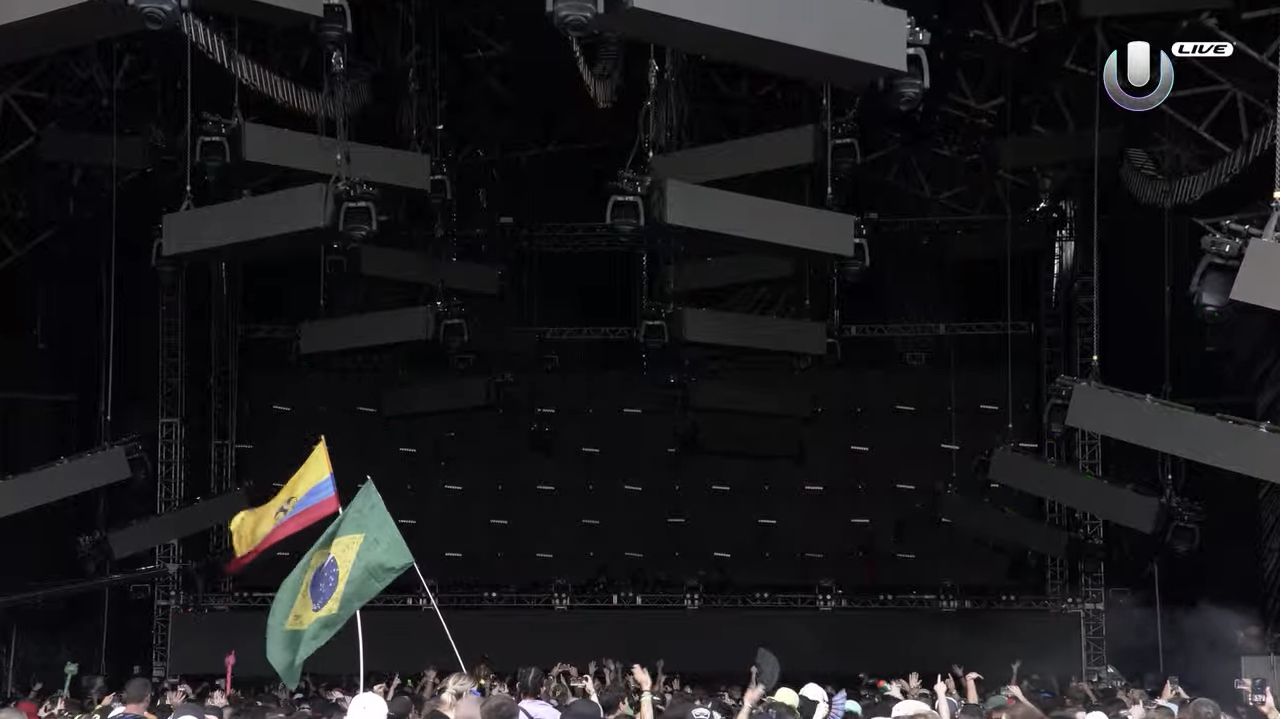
x: 324, y: 581
x: 1112, y: 83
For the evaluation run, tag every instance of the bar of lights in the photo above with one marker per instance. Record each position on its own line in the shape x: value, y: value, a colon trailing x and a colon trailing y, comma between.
x: 282, y: 408
x: 243, y: 445
x: 367, y: 410
x: 453, y: 487
x: 454, y: 555
x: 905, y: 555
x: 859, y: 448
x: 813, y: 488
x: 675, y: 520
x: 634, y: 555
x: 592, y: 522
x: 904, y: 408
x: 406, y: 521
x: 590, y: 450
x: 545, y: 488
x: 953, y: 447
x: 407, y: 450
x: 282, y: 554
x: 860, y: 520
x: 632, y: 488
x: 813, y: 555
x: 990, y: 407
x: 500, y: 522
x: 945, y: 520
x: 720, y: 487
x: 544, y: 555
x: 721, y: 555
x: 633, y: 410
x: 545, y: 410
x: 909, y: 487
x: 767, y: 521
x: 1029, y: 445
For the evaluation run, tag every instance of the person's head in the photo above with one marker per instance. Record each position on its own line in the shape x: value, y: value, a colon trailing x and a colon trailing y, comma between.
x: 611, y: 699
x: 400, y: 707
x: 529, y: 682
x: 560, y: 695
x: 367, y: 705
x: 454, y: 688
x: 1201, y: 709
x: 137, y: 694
x: 1160, y: 712
x: 499, y: 706
x: 11, y: 713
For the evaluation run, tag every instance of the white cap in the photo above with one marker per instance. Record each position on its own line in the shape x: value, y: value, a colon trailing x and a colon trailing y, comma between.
x: 815, y: 693
x: 1096, y: 715
x: 367, y: 705
x: 911, y: 707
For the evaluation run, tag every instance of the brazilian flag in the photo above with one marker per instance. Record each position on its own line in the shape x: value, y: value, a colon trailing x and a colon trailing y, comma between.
x: 355, y: 559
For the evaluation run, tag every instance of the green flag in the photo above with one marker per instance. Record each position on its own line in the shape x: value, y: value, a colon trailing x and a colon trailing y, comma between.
x: 355, y: 559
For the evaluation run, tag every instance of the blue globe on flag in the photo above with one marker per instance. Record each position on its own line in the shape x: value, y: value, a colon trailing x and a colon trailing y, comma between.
x: 324, y: 581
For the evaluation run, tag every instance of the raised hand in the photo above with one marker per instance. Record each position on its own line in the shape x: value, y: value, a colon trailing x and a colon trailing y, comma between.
x: 107, y: 700
x: 941, y: 687
x: 174, y: 697
x: 913, y: 681
x: 958, y: 670
x: 951, y: 684
x: 591, y: 667
x: 754, y: 694
x: 217, y: 698
x: 641, y: 676
x: 969, y: 678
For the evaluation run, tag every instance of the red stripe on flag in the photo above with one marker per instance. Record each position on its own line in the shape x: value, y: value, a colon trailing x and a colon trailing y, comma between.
x: 293, y: 525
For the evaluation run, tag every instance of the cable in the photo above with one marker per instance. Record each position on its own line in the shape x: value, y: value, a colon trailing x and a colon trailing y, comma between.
x: 1096, y: 320
x: 187, y: 198
x: 111, y: 274
x: 1009, y: 266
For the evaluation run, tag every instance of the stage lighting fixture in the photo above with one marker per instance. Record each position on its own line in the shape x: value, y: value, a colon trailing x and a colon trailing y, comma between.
x: 625, y: 213
x: 333, y: 28
x: 159, y: 14
x: 453, y: 333
x: 213, y: 151
x: 1211, y: 285
x: 1056, y: 408
x: 853, y: 269
x: 907, y: 91
x: 439, y: 188
x: 653, y: 333
x: 358, y: 213
x: 575, y: 17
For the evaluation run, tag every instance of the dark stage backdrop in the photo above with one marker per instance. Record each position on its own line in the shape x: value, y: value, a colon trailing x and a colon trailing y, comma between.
x: 708, y: 642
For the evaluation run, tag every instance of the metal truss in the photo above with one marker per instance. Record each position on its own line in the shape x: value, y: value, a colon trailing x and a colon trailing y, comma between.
x: 223, y: 354
x: 581, y: 333
x: 682, y: 601
x: 1052, y: 358
x: 937, y: 329
x: 1089, y: 458
x: 170, y: 454
x: 587, y: 237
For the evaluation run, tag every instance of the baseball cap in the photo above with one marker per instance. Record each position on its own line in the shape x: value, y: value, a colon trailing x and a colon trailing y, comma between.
x: 787, y: 697
x: 367, y: 705
x: 909, y: 707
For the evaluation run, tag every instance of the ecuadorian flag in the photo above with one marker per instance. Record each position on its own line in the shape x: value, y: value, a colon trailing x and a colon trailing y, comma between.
x: 309, y: 496
x: 355, y: 559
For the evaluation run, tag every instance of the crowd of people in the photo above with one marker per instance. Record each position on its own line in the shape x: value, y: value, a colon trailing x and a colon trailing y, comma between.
x: 607, y: 690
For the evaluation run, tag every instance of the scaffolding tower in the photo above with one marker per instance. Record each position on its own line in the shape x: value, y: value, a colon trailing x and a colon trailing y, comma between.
x: 1089, y: 458
x: 1052, y: 356
x: 223, y: 352
x: 170, y: 455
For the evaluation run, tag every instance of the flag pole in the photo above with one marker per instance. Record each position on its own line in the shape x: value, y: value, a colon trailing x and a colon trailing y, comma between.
x: 360, y: 630
x: 436, y: 607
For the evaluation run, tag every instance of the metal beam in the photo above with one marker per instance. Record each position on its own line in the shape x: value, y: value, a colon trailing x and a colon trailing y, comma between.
x: 733, y: 329
x: 39, y: 28
x: 278, y: 12
x: 845, y: 42
x: 705, y: 209
x: 415, y: 267
x: 267, y: 145
x: 746, y: 156
x: 238, y: 223
x: 1238, y: 446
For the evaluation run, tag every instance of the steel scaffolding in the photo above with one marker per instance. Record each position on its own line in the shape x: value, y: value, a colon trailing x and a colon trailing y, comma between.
x: 224, y: 337
x: 1089, y: 458
x: 170, y: 455
x: 1052, y: 355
